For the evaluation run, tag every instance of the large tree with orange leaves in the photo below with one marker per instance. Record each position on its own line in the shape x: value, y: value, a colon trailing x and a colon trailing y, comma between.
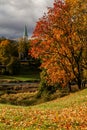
x: 60, y: 41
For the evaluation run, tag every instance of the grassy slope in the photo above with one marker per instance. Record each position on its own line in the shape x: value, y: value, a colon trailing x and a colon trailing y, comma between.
x: 67, y: 113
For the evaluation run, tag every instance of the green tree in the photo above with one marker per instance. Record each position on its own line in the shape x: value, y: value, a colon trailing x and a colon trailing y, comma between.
x: 8, y: 55
x: 23, y: 46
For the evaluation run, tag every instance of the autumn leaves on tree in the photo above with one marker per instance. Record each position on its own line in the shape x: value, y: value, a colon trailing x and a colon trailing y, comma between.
x: 60, y: 41
x: 9, y: 57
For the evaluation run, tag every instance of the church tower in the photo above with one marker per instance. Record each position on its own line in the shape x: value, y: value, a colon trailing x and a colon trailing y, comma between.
x: 23, y: 45
x: 25, y: 33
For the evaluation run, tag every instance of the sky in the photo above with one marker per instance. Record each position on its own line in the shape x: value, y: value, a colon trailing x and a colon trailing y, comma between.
x: 15, y: 14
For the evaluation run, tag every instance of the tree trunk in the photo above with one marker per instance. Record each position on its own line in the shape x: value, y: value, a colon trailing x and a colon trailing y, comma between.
x: 79, y: 83
x: 83, y: 84
x: 69, y: 86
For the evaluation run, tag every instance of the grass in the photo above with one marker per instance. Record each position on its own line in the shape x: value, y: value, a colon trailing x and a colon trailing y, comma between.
x: 27, y: 72
x: 23, y: 77
x: 26, y: 77
x: 67, y: 101
x: 66, y: 113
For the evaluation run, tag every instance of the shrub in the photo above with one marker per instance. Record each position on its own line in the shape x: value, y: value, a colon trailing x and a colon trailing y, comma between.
x: 14, y: 66
x: 46, y: 90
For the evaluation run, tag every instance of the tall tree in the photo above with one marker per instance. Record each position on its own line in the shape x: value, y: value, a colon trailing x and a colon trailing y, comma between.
x: 60, y: 41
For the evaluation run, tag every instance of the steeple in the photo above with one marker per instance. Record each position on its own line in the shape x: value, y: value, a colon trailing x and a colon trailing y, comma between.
x: 25, y: 32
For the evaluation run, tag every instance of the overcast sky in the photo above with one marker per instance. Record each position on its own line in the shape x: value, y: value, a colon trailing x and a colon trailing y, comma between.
x: 14, y: 14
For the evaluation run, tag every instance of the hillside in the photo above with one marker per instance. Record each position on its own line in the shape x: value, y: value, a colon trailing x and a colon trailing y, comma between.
x: 67, y: 113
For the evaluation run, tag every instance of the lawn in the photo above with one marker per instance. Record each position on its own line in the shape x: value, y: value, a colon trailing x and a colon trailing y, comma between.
x: 66, y: 113
x: 23, y: 77
x: 25, y: 73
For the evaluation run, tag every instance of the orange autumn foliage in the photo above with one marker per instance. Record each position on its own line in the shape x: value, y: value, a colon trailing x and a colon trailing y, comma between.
x: 58, y: 42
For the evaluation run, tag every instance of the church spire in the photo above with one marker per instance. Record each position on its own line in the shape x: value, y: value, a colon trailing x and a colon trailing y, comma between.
x: 25, y: 32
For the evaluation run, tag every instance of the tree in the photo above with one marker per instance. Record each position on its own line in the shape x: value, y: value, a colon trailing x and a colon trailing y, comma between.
x: 23, y: 46
x: 60, y: 41
x: 8, y: 55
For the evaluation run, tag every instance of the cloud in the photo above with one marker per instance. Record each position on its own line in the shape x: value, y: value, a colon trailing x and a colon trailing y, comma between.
x: 14, y: 14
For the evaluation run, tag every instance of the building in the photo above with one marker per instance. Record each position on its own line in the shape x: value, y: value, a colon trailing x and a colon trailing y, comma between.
x: 23, y: 45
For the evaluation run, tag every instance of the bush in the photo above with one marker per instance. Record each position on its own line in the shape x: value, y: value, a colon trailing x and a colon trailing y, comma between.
x: 46, y: 90
x: 14, y: 66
